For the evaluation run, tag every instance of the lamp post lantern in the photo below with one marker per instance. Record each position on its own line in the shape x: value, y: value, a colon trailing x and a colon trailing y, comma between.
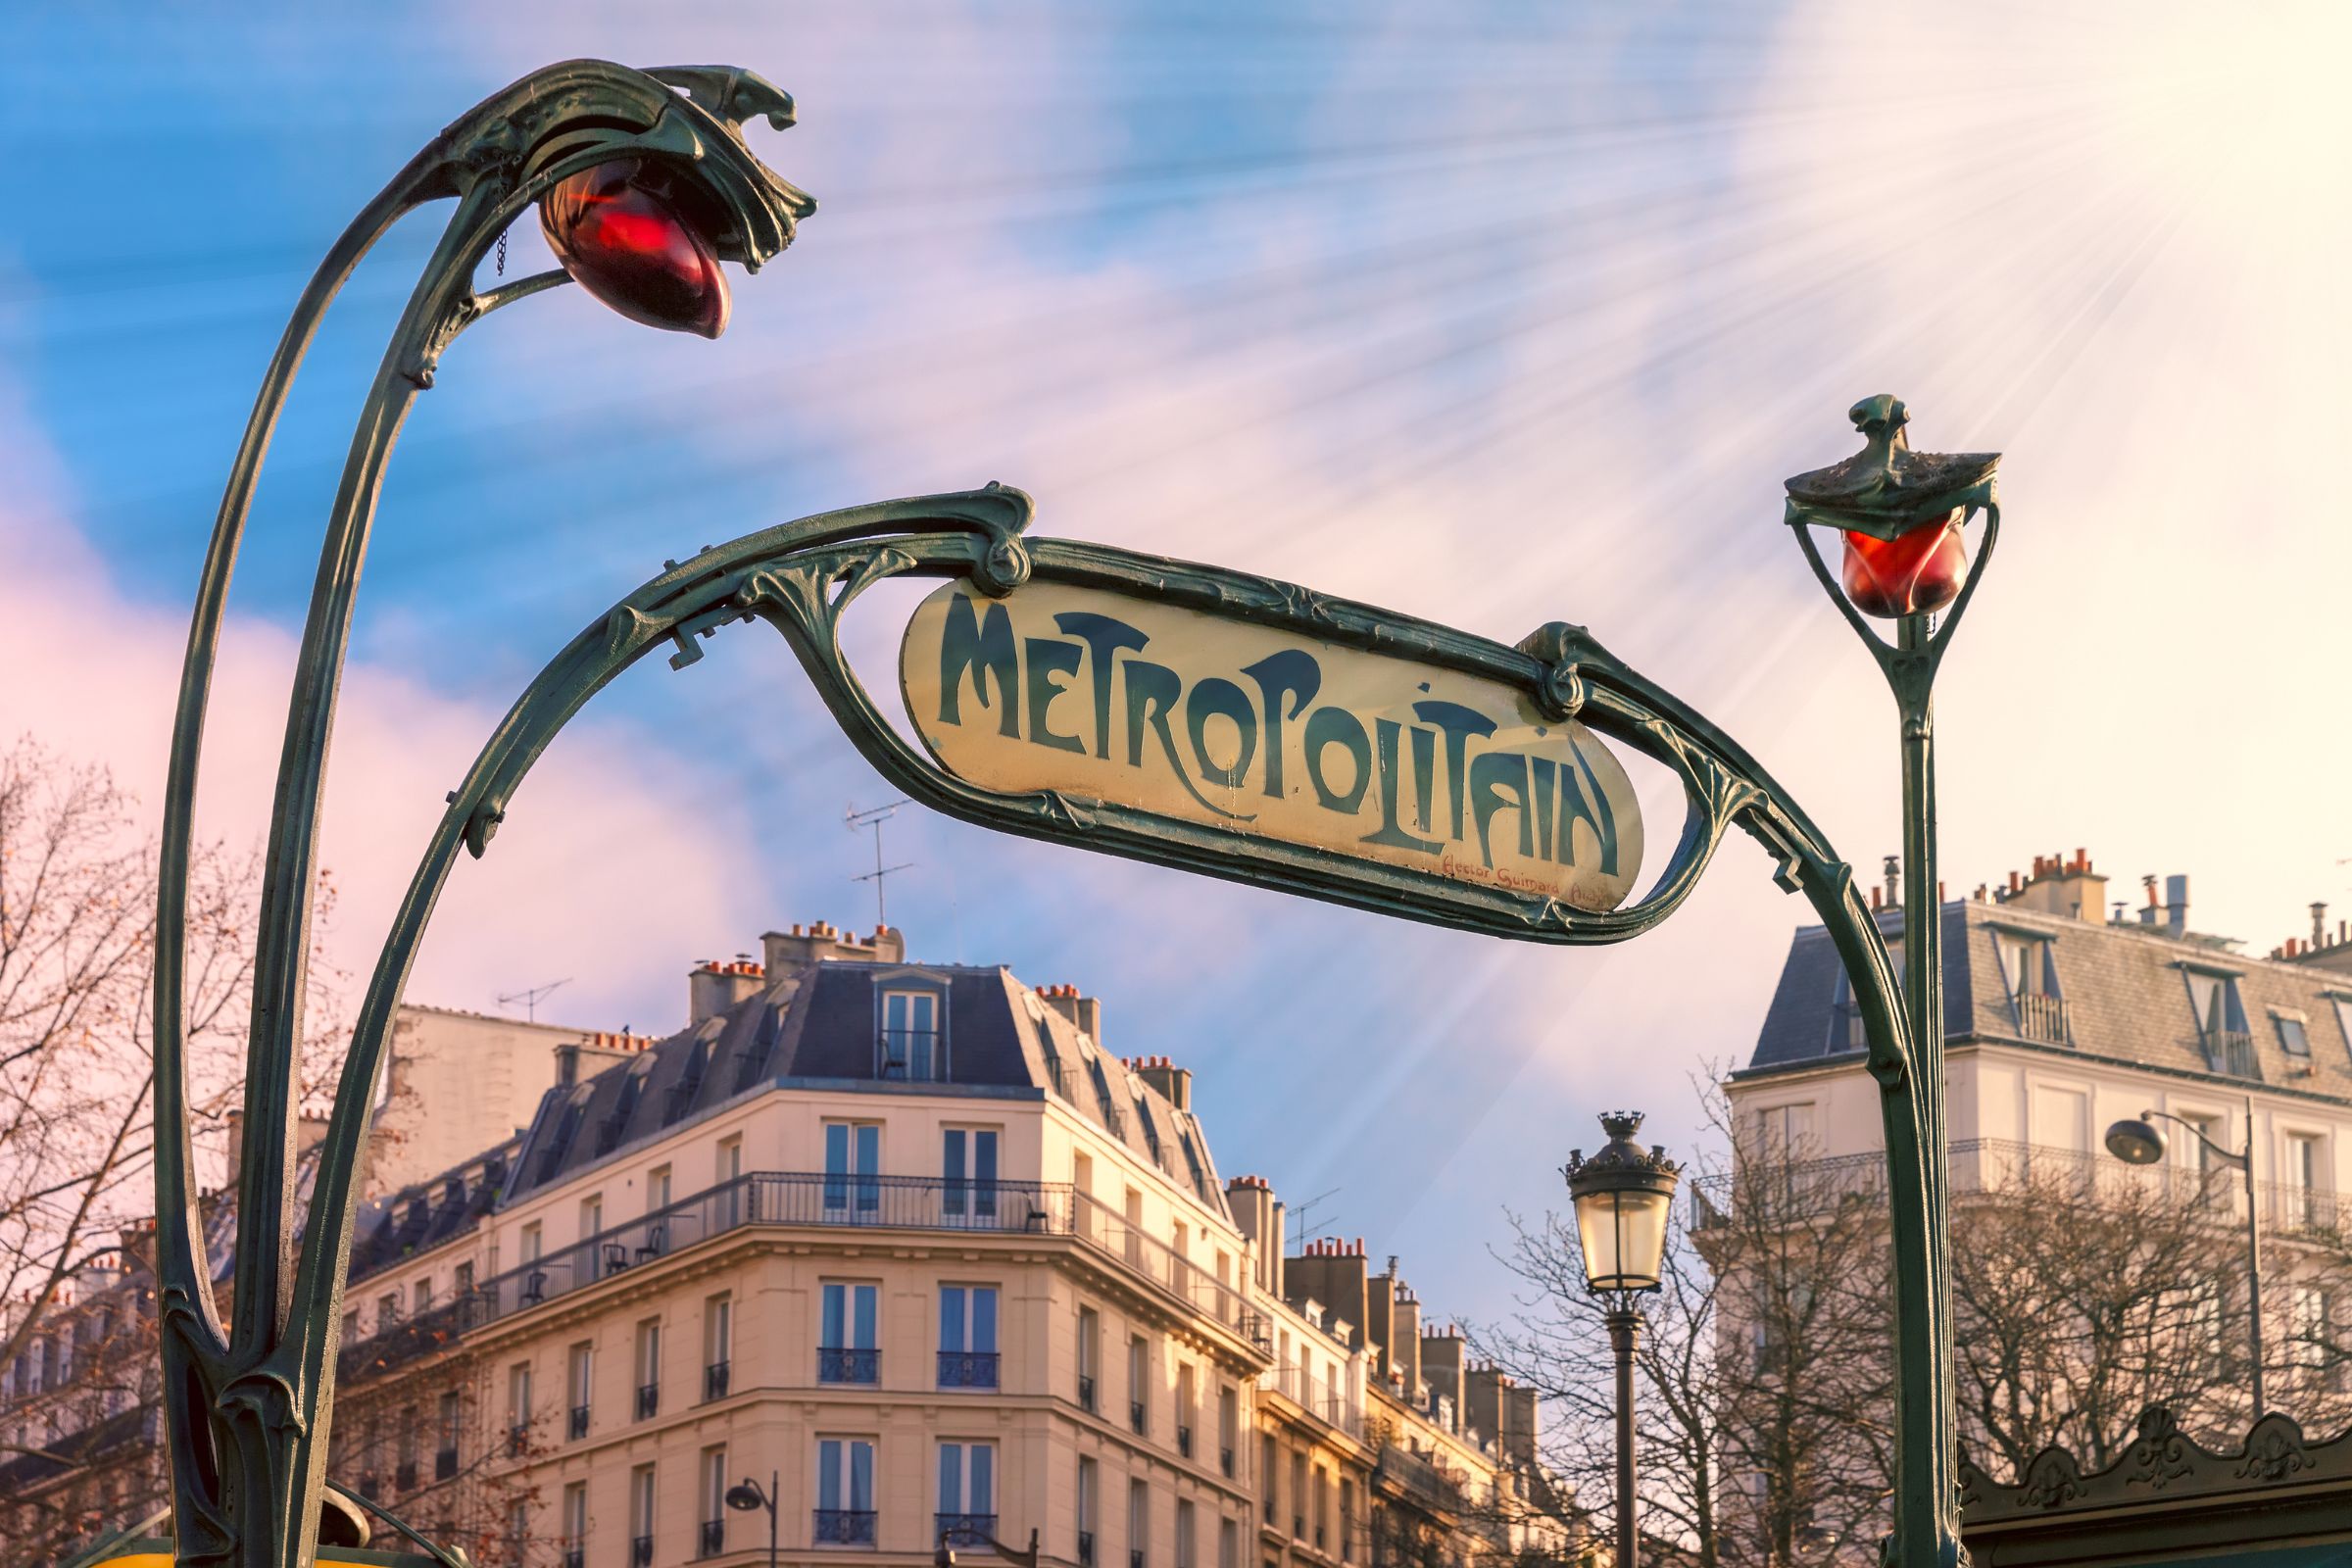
x: 2140, y: 1141
x: 1624, y: 1196
x: 943, y: 1555
x: 746, y: 1496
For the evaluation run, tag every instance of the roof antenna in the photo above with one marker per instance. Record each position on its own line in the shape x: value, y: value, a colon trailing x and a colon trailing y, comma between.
x: 874, y: 817
x: 531, y: 999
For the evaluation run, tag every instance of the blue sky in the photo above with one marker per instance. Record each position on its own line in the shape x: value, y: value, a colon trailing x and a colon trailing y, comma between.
x: 1498, y: 315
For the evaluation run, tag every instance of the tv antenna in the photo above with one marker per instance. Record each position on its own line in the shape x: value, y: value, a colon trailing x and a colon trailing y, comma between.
x: 874, y: 817
x: 531, y: 999
x: 1306, y: 1232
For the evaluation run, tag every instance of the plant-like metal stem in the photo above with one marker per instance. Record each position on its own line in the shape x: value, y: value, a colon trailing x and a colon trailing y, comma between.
x: 2243, y: 1161
x: 1625, y: 1338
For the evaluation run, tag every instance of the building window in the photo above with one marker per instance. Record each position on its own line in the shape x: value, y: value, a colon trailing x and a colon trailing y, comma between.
x: 1139, y: 1383
x: 1184, y: 1534
x: 910, y: 1045
x: 519, y: 1406
x: 465, y: 1280
x: 845, y: 1492
x: 1229, y: 1545
x: 2307, y: 1201
x: 2221, y: 1020
x: 712, y: 1540
x: 1089, y: 1355
x: 581, y: 1379
x: 1138, y: 1524
x: 591, y: 1215
x: 648, y: 1368
x: 656, y: 1189
x: 968, y: 1336
x: 2294, y: 1037
x: 2342, y: 1001
x: 533, y: 1243
x: 967, y: 1493
x: 421, y: 1293
x: 2030, y: 970
x: 1297, y: 1497
x: 445, y: 1453
x: 718, y: 1345
x: 387, y: 1314
x: 1227, y: 1422
x: 641, y: 1517
x: 845, y: 1344
x: 575, y: 1524
x: 853, y: 1166
x: 1347, y: 1521
x: 1268, y: 1474
x: 2313, y: 1350
x: 1087, y: 1480
x: 968, y: 1172
x: 1186, y: 1411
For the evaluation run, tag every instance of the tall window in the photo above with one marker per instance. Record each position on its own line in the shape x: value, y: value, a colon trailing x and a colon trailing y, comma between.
x: 581, y: 1379
x: 648, y: 1368
x: 591, y: 1215
x: 967, y: 1490
x: 2030, y: 970
x: 845, y: 1351
x: 968, y: 1336
x: 1139, y: 1523
x: 1186, y: 1409
x: 1089, y: 1355
x: 718, y: 1345
x: 533, y: 1242
x: 2342, y: 1001
x: 518, y: 1404
x: 713, y: 1503
x: 1228, y: 1419
x: 2306, y: 1181
x: 1297, y: 1497
x: 640, y: 1516
x: 911, y: 1047
x: 576, y: 1520
x: 1268, y: 1474
x: 853, y: 1162
x: 1139, y: 1383
x: 445, y: 1453
x: 726, y: 1171
x: 1087, y: 1481
x: 1347, y: 1520
x: 845, y: 1492
x: 2294, y: 1036
x: 968, y: 1170
x: 1229, y: 1545
x: 2308, y: 1311
x: 656, y: 1189
x: 1184, y: 1534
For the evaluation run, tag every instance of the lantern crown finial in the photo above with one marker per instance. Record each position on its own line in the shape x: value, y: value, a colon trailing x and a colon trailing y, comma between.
x: 1886, y: 489
x: 1621, y: 1123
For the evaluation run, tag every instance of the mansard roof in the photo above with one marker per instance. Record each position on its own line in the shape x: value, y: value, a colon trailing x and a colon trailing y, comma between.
x: 2125, y: 992
x: 816, y: 1027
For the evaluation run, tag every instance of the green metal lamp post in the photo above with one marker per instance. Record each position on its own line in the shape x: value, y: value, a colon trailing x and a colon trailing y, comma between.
x: 748, y: 1496
x: 643, y: 185
x: 1624, y: 1196
x: 2140, y: 1141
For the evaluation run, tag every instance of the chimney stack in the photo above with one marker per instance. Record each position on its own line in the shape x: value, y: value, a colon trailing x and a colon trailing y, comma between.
x: 1084, y: 1012
x: 2062, y: 886
x: 2176, y: 905
x: 1258, y: 1215
x: 712, y: 987
x: 1174, y: 1083
x: 2319, y: 924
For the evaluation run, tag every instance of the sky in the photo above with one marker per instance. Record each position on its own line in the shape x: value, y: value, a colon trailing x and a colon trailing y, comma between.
x: 1493, y: 314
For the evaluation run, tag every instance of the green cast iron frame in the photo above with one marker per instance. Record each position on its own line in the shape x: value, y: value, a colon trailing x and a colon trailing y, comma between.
x: 249, y: 1407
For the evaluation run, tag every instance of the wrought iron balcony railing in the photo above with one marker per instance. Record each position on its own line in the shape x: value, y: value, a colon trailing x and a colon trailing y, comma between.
x: 2231, y: 1051
x: 1086, y: 1548
x: 840, y: 1364
x: 844, y: 1527
x: 714, y: 1382
x: 963, y: 1529
x: 1772, y: 1192
x: 649, y: 1401
x: 578, y: 1425
x: 1086, y: 1392
x: 1184, y: 1442
x: 1137, y: 1416
x: 641, y: 1551
x: 818, y: 1201
x: 967, y: 1369
x: 404, y: 1476
x: 575, y: 1556
x: 445, y: 1463
x: 2042, y: 1018
x: 713, y: 1538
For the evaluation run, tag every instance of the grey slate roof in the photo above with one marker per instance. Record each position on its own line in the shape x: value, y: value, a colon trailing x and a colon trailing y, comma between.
x: 816, y: 1026
x: 2126, y: 998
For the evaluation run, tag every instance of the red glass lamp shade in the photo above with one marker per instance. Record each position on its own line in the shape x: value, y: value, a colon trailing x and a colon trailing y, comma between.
x: 626, y: 233
x: 1909, y: 575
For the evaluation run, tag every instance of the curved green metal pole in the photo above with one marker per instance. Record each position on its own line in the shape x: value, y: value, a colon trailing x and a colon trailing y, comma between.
x: 247, y: 1436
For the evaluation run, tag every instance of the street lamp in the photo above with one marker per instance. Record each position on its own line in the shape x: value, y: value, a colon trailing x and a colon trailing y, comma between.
x: 745, y: 1497
x: 2142, y: 1143
x: 644, y: 184
x: 1623, y: 1197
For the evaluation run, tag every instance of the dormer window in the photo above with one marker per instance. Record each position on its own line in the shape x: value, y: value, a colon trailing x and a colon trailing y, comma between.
x: 911, y: 1047
x: 2294, y: 1037
x: 2029, y: 972
x: 2221, y: 1020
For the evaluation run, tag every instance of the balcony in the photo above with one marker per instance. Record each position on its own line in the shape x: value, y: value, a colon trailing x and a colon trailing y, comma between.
x: 1135, y: 1558
x: 1086, y: 1548
x: 575, y: 1556
x: 1225, y: 1462
x: 963, y: 1529
x: 519, y: 1437
x: 1184, y: 1442
x: 1771, y: 1194
x: 649, y: 1401
x: 445, y: 1463
x: 1086, y: 1392
x: 2042, y: 1018
x: 776, y: 1199
x: 2231, y: 1052
x: 577, y: 1427
x: 712, y: 1540
x: 404, y: 1476
x: 844, y: 1527
x: 1138, y: 1417
x: 714, y: 1382
x: 842, y: 1364
x: 967, y: 1369
x: 641, y: 1551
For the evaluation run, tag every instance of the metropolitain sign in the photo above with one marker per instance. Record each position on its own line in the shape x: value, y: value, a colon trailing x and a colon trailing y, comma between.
x: 1256, y: 731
